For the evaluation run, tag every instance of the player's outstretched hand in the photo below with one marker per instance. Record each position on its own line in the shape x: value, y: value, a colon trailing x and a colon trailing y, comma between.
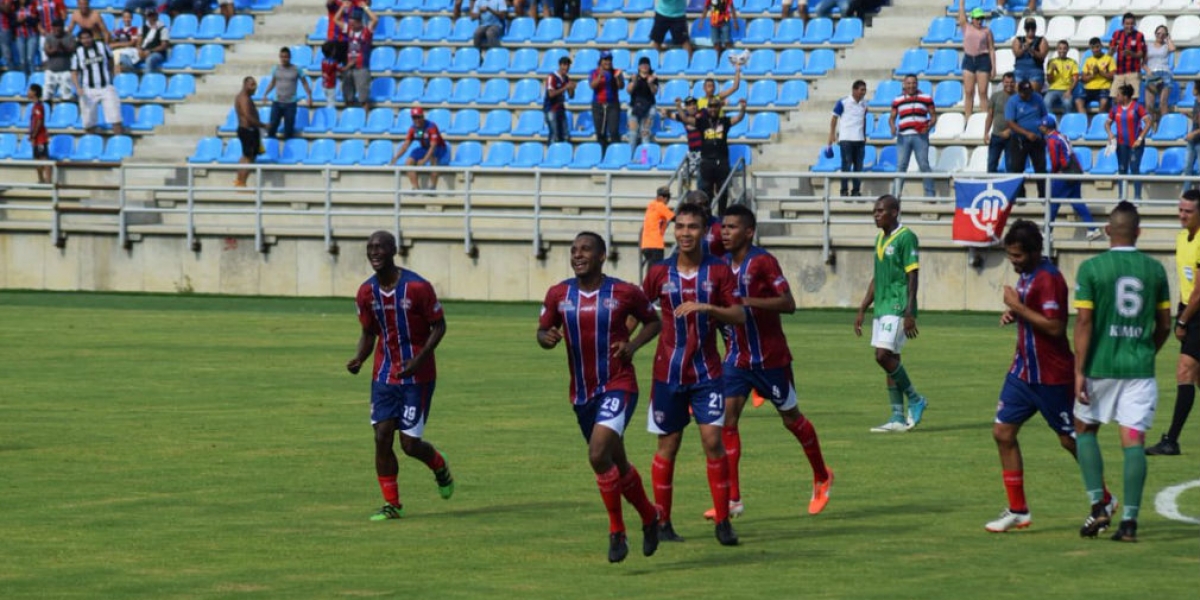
x: 910, y: 327
x: 858, y: 321
x: 688, y: 308
x: 354, y: 365
x: 1008, y: 318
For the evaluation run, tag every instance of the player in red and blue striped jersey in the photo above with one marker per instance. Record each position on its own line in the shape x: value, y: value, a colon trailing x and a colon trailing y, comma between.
x: 402, y: 322
x: 757, y: 356
x: 590, y: 312
x: 696, y: 293
x: 1043, y: 368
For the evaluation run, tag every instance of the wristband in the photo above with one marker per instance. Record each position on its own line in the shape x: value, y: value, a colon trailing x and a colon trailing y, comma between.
x: 1180, y: 323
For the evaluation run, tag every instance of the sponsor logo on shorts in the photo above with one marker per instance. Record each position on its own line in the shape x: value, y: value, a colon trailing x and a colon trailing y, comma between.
x: 659, y: 417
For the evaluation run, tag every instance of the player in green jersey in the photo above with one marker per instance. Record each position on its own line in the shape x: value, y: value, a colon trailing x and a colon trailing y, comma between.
x: 1124, y: 317
x: 893, y: 292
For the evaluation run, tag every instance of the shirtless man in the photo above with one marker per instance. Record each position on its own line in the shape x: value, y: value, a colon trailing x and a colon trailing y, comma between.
x: 249, y: 128
x: 86, y: 18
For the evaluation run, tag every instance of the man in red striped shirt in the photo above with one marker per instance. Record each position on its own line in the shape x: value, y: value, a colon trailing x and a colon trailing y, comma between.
x: 356, y: 79
x: 1131, y: 123
x: 1128, y: 49
x: 913, y: 117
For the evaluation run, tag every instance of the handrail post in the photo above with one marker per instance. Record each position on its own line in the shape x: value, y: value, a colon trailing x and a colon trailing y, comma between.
x: 826, y: 223
x: 56, y: 221
x: 327, y: 175
x: 122, y: 235
x: 468, y: 243
x: 191, y: 206
x: 258, y: 210
x: 608, y: 218
x: 537, y: 215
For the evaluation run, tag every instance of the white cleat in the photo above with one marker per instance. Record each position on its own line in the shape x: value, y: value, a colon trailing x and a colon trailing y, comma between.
x: 1009, y: 520
x: 891, y: 427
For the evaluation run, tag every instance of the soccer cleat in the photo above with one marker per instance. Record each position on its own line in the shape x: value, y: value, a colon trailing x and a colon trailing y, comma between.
x: 1126, y: 531
x: 1096, y: 522
x: 896, y: 425
x: 756, y: 398
x: 725, y: 533
x: 445, y: 481
x: 389, y: 511
x: 650, y: 534
x: 1164, y: 447
x: 1009, y: 520
x: 618, y: 549
x: 666, y: 532
x: 916, y: 410
x: 820, y: 495
x: 736, y: 508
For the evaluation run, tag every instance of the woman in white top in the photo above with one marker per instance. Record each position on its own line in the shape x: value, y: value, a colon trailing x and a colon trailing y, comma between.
x: 979, y: 58
x: 1158, y: 73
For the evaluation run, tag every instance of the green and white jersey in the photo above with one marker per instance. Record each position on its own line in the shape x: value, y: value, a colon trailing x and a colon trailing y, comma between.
x: 895, y: 258
x: 1124, y: 289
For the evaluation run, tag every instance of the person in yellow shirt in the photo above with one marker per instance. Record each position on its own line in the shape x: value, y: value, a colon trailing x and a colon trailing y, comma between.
x: 1062, y: 72
x: 654, y: 226
x: 1097, y: 77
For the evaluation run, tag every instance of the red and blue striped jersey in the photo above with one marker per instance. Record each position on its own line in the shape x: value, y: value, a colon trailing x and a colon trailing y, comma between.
x: 591, y: 323
x: 1058, y: 148
x: 609, y: 90
x: 402, y: 318
x: 687, y: 347
x: 759, y: 343
x: 1127, y: 122
x: 1040, y: 358
x: 1124, y: 49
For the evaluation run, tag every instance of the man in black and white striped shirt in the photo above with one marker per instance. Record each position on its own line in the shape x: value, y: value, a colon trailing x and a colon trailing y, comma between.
x: 91, y: 70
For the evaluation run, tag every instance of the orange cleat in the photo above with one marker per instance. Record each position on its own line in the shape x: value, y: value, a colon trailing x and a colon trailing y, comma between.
x: 820, y: 495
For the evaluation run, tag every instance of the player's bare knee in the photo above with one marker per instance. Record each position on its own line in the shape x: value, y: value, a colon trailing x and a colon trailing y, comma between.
x: 1005, y: 435
x: 384, y: 434
x: 1067, y: 442
x: 410, y: 445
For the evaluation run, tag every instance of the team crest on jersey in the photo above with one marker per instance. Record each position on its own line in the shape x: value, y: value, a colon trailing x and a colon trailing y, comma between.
x: 746, y: 279
x: 406, y: 304
x: 670, y: 288
x: 707, y: 286
x: 566, y: 306
x: 611, y: 303
x: 891, y: 250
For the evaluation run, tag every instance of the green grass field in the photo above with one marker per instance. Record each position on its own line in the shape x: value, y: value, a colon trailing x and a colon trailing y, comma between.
x: 207, y: 447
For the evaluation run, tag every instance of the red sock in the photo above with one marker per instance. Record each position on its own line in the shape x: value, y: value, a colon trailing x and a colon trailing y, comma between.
x: 391, y: 491
x: 437, y: 462
x: 803, y: 429
x: 610, y: 490
x: 1107, y: 495
x: 662, y: 473
x: 718, y: 484
x: 1014, y: 484
x: 631, y: 488
x: 733, y: 455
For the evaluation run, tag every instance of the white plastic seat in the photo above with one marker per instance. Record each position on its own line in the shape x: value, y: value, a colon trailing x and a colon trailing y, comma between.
x: 1149, y: 23
x: 1087, y: 28
x: 913, y: 167
x: 1185, y: 27
x: 952, y: 159
x: 978, y: 161
x: 1056, y: 6
x: 1141, y: 7
x: 974, y: 131
x: 1084, y: 7
x: 1059, y: 28
x: 1004, y: 60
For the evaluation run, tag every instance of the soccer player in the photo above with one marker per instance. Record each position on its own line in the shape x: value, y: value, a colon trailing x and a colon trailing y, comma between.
x: 1042, y: 372
x: 1187, y: 325
x: 893, y: 292
x: 1124, y: 316
x: 696, y: 293
x: 402, y: 322
x: 758, y: 358
x: 712, y: 243
x: 589, y: 312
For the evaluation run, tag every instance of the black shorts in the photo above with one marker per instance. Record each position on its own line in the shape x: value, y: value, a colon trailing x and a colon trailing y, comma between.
x: 677, y: 26
x: 41, y: 151
x: 1191, y: 337
x: 251, y: 140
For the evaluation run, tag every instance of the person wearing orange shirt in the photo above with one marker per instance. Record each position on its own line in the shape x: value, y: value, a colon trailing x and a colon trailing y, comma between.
x: 654, y: 226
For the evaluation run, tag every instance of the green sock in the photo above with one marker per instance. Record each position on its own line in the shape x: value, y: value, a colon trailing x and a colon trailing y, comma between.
x: 904, y: 384
x: 1091, y: 464
x: 1135, y: 480
x: 897, y: 402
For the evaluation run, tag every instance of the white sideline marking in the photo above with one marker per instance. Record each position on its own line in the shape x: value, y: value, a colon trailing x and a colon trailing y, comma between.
x: 1167, y: 502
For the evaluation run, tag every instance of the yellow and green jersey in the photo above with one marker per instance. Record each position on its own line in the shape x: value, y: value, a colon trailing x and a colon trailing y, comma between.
x: 895, y: 258
x: 1187, y: 260
x: 1124, y: 289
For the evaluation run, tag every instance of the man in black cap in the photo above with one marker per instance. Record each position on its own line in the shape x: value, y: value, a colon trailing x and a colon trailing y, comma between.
x: 606, y: 83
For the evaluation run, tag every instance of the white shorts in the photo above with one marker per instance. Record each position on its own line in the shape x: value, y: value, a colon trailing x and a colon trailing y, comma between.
x: 1130, y: 401
x: 121, y: 53
x: 887, y: 332
x: 59, y: 81
x: 106, y: 97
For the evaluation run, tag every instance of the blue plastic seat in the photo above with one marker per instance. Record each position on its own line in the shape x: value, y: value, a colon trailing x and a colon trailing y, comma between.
x: 433, y: 6
x: 704, y: 61
x: 437, y: 90
x: 914, y: 62
x: 1096, y: 131
x: 382, y: 89
x: 1172, y: 127
x: 232, y: 153
x: 789, y: 31
x: 526, y: 91
x: 350, y: 121
x: 293, y: 152
x: 1188, y: 63
x: 320, y: 31
x: 640, y: 35
x: 117, y: 148
x: 584, y: 29
x: 231, y: 122
x: 885, y: 162
x: 465, y: 60
x: 849, y: 30
x: 762, y: 93
x: 558, y: 155
x: 152, y: 86
x: 10, y: 113
x: 379, y: 121
x: 498, y: 122
x: 674, y: 61
x: 495, y: 91
x: 1149, y: 160
x: 670, y: 91
x: 584, y: 127
x: 150, y: 116
x: 242, y: 26
x: 212, y: 27
x: 740, y: 152
x: 464, y: 30
x: 1073, y: 126
x: 466, y: 122
x: 763, y: 126
x: 378, y: 154
x: 88, y: 147
x: 587, y: 156
x: 466, y: 91
x: 879, y: 130
x: 1171, y: 161
x: 519, y: 31
x: 941, y: 31
x: 409, y: 90
x: 818, y: 31
x: 385, y: 28
x: 349, y: 152
x: 467, y: 154
x: 885, y: 92
x: 828, y: 163
x: 495, y: 60
x: 1084, y: 155
x: 63, y: 115
x: 320, y: 152
x: 622, y: 59
x: 530, y: 123
x: 585, y: 60
x: 645, y: 157
x: 12, y: 83
x: 760, y: 31
x: 820, y: 62
x: 549, y: 62
x: 529, y: 155
x: 437, y: 60
x: 499, y: 155
x: 525, y: 60
x: 792, y: 92
x: 549, y: 31
x: 180, y: 56
x: 437, y: 116
x: 208, y: 150
x: 1105, y: 163
x: 61, y: 146
x: 180, y: 86
x: 616, y: 157
x: 947, y: 93
x: 751, y: 7
x: 408, y: 60
x: 1114, y: 24
x: 437, y: 29
x: 638, y: 7
x: 944, y: 62
x: 209, y: 56
x: 762, y: 62
x: 408, y: 29
x: 125, y: 83
x: 673, y: 157
x: 382, y: 59
x: 184, y: 26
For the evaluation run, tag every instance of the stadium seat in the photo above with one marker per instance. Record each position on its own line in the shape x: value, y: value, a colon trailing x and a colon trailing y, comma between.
x: 495, y: 91
x: 180, y: 86
x: 828, y: 162
x: 818, y: 31
x: 495, y: 60
x: 467, y: 154
x: 615, y: 31
x: 585, y: 60
x: 616, y: 157
x: 752, y: 7
x: 1172, y: 127
x: 1105, y: 163
x: 526, y: 91
x: 466, y: 122
x: 525, y: 60
x: 498, y: 122
x: 638, y: 7
x: 1185, y: 27
x: 789, y: 32
x: 349, y: 152
x: 350, y: 121
x: 152, y: 86
x: 913, y: 62
x: 1149, y: 162
x: 10, y: 114
x: 673, y: 157
x: 320, y: 30
x: 242, y: 26
x: 949, y: 126
x: 703, y: 63
x: 293, y: 151
x: 437, y: 29
x: 378, y: 153
x: 320, y: 152
x: 1073, y: 125
x: 409, y: 90
x: 1188, y: 63
x: 12, y: 83
x: 62, y: 115
x: 1096, y: 131
x: 549, y: 63
x: 820, y: 62
x: 438, y: 116
x: 1171, y: 162
x: 117, y: 148
x: 671, y: 90
x: 382, y: 89
x: 947, y: 93
x: 437, y: 90
x: 622, y: 59
x: 645, y: 157
x: 886, y: 161
x: 762, y: 62
x: 531, y: 123
x: 1114, y: 23
x: 763, y: 126
x: 208, y: 150
x: 61, y: 146
x: 945, y: 62
x: 529, y: 155
x: 437, y: 60
x: 379, y: 121
x: 1084, y: 155
x: 183, y: 27
x: 435, y: 6
x: 584, y: 127
x: 463, y: 32
x: 762, y: 93
x: 466, y: 91
x: 230, y: 124
x: 583, y: 31
x: 519, y: 31
x: 88, y: 147
x: 941, y: 31
x: 849, y: 30
x: 792, y: 92
x: 208, y: 57
x: 180, y: 56
x: 382, y: 59
x: 700, y: 33
x: 150, y: 116
x: 409, y: 29
x: 1003, y: 29
x: 760, y: 31
x: 885, y: 92
x: 640, y: 35
x: 465, y: 60
x: 212, y: 27
x: 23, y: 151
x: 549, y: 31
x: 1087, y: 27
x: 386, y: 28
x: 587, y: 156
x: 408, y: 60
x: 499, y: 155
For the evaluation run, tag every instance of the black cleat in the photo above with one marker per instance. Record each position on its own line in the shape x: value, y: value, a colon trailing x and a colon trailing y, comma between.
x: 725, y: 533
x: 1096, y: 522
x: 1164, y: 447
x: 1126, y: 532
x: 666, y: 532
x: 650, y: 534
x: 617, y: 548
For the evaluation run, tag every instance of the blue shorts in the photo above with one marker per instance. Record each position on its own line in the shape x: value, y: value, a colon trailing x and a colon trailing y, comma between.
x: 723, y: 34
x: 612, y: 410
x: 977, y: 64
x: 775, y: 385
x: 1030, y: 74
x: 1019, y: 400
x: 441, y: 157
x: 669, y: 406
x: 1160, y: 78
x: 407, y: 404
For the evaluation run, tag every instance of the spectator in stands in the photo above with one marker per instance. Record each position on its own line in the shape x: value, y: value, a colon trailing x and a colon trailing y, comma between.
x: 1063, y: 160
x: 58, y: 48
x: 714, y: 125
x: 979, y: 58
x: 332, y: 64
x: 492, y: 16
x: 249, y: 128
x: 995, y: 127
x: 848, y: 127
x: 529, y: 8
x: 356, y: 78
x: 28, y: 35
x: 685, y: 112
x: 1160, y: 80
x: 338, y: 17
x: 124, y: 41
x: 85, y: 18
x: 227, y: 9
x: 654, y: 225
x: 670, y: 16
x: 606, y: 83
x: 1128, y: 49
x: 284, y: 80
x: 1127, y: 126
x: 559, y: 87
x: 91, y: 69
x: 824, y: 8
x: 8, y: 15
x: 1062, y: 74
x: 1024, y: 113
x: 137, y: 6
x: 710, y: 88
x: 913, y: 116
x: 39, y: 139
x: 722, y: 17
x: 153, y: 43
x: 432, y: 149
x: 801, y: 9
x: 1193, y: 136
x: 1030, y: 52
x: 642, y: 89
x: 195, y: 7
x: 1097, y: 78
x: 48, y: 11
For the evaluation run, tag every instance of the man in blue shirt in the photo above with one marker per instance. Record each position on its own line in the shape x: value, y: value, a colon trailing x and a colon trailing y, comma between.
x: 491, y: 15
x: 1024, y: 113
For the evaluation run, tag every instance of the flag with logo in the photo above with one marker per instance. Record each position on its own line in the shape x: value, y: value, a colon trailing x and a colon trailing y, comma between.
x: 981, y: 208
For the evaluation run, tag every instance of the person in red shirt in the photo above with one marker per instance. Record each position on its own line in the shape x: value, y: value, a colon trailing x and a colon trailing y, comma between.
x: 359, y: 37
x: 1128, y: 49
x: 432, y: 149
x: 332, y: 64
x: 38, y: 138
x: 1127, y: 126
